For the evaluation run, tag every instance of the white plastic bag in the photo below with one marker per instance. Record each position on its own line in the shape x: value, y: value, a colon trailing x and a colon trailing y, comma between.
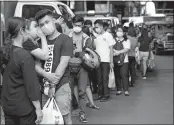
x: 111, y: 83
x: 137, y: 55
x: 150, y: 61
x: 51, y: 113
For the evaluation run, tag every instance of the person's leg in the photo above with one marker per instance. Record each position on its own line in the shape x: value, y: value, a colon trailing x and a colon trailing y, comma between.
x: 83, y: 82
x: 11, y: 120
x: 94, y: 81
x: 125, y: 77
x: 90, y: 97
x: 117, y: 79
x: 145, y: 58
x: 106, y: 70
x: 141, y: 62
x: 63, y: 98
x: 132, y: 63
x: 28, y: 119
x: 99, y: 81
x: 67, y: 119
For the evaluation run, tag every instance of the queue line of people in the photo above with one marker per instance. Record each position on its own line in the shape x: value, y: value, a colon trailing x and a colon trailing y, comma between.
x: 53, y: 65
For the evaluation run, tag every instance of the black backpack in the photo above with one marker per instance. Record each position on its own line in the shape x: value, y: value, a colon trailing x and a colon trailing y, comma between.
x: 119, y: 60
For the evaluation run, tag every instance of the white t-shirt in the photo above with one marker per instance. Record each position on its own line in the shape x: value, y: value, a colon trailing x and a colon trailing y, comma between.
x: 103, y: 42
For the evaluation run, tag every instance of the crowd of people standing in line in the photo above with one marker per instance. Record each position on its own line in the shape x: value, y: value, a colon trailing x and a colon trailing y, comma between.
x: 41, y: 50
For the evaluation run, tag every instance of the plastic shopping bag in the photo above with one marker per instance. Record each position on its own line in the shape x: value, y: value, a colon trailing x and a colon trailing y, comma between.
x: 137, y: 55
x: 111, y: 83
x: 150, y: 61
x: 51, y: 113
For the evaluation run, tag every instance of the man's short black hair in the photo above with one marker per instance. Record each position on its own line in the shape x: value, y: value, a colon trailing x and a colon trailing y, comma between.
x: 88, y: 22
x: 77, y: 19
x: 43, y: 13
x: 100, y: 22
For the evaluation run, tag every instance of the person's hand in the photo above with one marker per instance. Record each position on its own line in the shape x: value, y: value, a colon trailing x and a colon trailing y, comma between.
x: 111, y: 65
x: 60, y: 20
x: 40, y: 34
x: 51, y: 92
x: 52, y: 78
x: 116, y: 52
x: 39, y: 115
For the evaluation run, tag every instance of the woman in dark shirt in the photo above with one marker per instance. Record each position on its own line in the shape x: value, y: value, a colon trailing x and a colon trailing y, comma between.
x: 21, y: 92
x: 144, y: 42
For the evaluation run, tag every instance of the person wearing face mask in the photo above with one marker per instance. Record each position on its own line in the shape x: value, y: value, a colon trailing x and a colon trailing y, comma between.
x: 80, y: 79
x: 60, y: 51
x: 104, y: 43
x: 21, y: 92
x: 121, y: 49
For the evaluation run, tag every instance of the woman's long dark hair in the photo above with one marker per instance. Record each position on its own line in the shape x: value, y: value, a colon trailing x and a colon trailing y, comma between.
x: 14, y: 25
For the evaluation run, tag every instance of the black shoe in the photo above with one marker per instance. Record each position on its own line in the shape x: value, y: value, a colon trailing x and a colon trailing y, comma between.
x: 99, y: 97
x: 131, y: 85
x: 83, y: 117
x: 104, y: 99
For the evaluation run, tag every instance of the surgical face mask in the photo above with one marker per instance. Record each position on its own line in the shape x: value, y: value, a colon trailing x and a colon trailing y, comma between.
x: 48, y: 29
x: 98, y: 30
x: 119, y: 34
x: 90, y: 29
x: 77, y: 29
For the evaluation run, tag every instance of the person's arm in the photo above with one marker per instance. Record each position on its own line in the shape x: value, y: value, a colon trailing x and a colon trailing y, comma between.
x: 39, y: 69
x: 31, y: 84
x: 50, y: 76
x: 111, y: 42
x: 125, y: 50
x: 66, y: 54
x: 111, y: 55
x: 36, y: 51
x: 42, y: 53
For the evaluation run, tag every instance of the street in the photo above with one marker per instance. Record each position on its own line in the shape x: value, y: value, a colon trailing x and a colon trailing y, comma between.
x: 150, y: 101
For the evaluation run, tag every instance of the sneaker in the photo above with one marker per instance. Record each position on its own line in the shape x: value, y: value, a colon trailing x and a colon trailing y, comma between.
x: 126, y: 93
x: 83, y: 117
x: 118, y: 92
x: 144, y: 77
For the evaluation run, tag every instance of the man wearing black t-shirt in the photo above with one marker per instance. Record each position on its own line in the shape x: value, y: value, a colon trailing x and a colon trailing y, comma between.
x: 60, y: 51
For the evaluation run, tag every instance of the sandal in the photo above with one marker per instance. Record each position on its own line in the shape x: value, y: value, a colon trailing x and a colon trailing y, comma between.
x: 92, y: 106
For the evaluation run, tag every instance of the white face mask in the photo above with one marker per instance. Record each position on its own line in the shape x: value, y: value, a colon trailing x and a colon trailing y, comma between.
x: 48, y: 29
x: 119, y: 34
x: 77, y: 29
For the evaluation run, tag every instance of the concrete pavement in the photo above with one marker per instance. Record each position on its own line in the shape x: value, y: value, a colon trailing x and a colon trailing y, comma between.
x: 150, y: 101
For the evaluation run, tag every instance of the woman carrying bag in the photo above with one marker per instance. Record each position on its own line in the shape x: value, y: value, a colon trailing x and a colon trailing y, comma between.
x: 120, y: 59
